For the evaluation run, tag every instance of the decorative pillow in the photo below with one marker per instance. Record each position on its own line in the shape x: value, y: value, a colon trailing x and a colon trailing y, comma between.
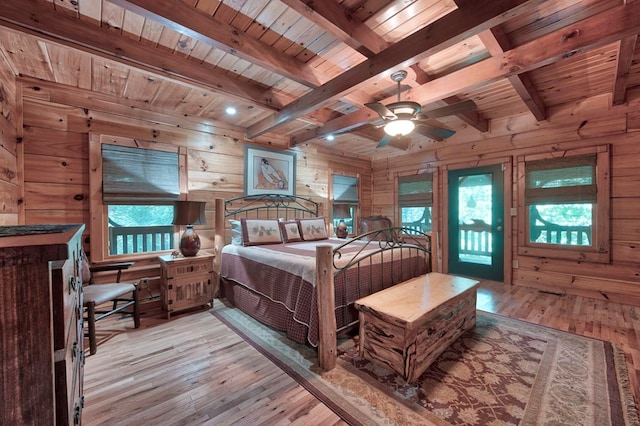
x: 290, y: 230
x: 313, y: 229
x: 260, y: 231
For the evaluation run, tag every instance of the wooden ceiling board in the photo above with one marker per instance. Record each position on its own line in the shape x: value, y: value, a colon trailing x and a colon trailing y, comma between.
x: 408, y: 18
x: 108, y: 77
x: 26, y: 55
x: 90, y: 10
x: 141, y: 87
x: 70, y: 67
x: 553, y: 16
x: 207, y: 6
x: 112, y: 16
x: 248, y: 12
x: 578, y: 77
x: 151, y: 32
x: 171, y: 96
x: 133, y: 25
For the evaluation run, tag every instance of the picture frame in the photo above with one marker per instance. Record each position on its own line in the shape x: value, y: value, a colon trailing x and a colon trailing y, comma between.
x: 268, y: 171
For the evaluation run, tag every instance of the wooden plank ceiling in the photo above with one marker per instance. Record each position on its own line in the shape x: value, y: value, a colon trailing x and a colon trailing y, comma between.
x: 300, y: 70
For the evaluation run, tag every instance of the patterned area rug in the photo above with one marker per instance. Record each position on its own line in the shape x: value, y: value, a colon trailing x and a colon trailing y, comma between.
x: 505, y: 372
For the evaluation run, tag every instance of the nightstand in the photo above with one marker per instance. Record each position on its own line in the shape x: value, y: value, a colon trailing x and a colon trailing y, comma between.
x: 187, y: 282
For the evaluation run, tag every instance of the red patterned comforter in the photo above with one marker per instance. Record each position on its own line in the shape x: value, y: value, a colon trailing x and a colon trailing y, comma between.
x: 276, y: 283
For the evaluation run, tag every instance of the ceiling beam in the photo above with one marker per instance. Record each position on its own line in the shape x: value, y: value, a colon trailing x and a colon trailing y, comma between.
x: 187, y: 20
x: 496, y: 42
x: 472, y: 118
x: 626, y: 49
x: 445, y: 32
x: 339, y: 22
x: 608, y: 27
x: 39, y: 19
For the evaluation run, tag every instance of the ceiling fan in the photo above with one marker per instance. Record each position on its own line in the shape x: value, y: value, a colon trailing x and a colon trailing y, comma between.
x: 403, y: 117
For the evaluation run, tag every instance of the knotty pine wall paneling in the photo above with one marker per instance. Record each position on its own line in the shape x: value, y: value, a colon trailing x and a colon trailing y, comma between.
x: 9, y: 122
x: 57, y: 123
x: 593, y: 122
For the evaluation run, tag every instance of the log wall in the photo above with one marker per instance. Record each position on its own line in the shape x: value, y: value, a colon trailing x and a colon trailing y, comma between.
x: 9, y: 122
x: 57, y: 125
x: 590, y: 123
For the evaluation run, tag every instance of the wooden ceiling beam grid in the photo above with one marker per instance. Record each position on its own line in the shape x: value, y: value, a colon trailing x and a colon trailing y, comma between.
x: 608, y: 27
x: 497, y: 44
x: 445, y: 32
x: 623, y: 65
x: 341, y: 24
x: 184, y: 19
x: 38, y: 19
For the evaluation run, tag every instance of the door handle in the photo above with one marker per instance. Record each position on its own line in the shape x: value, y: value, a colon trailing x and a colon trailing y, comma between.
x: 499, y: 228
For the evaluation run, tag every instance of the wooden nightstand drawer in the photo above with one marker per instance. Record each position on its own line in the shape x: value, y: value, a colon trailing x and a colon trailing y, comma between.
x: 187, y: 282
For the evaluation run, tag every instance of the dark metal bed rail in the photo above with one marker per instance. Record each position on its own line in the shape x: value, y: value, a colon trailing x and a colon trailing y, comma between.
x: 270, y: 206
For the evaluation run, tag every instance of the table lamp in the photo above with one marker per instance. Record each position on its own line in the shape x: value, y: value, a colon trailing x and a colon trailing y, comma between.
x: 341, y: 211
x: 189, y: 213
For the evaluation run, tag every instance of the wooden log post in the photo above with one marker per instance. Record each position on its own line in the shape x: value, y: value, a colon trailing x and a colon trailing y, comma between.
x: 327, y: 344
x: 218, y: 243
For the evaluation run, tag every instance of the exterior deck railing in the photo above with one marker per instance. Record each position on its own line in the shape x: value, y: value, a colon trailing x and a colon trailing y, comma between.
x: 476, y: 239
x: 140, y: 239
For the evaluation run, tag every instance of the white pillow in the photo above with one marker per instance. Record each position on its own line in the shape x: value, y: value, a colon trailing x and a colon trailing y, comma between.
x: 236, y: 232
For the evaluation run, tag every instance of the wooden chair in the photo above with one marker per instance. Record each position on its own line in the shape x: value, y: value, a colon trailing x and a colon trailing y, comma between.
x: 123, y: 298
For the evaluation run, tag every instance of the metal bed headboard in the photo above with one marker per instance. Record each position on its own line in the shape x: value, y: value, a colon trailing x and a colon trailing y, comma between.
x: 270, y: 206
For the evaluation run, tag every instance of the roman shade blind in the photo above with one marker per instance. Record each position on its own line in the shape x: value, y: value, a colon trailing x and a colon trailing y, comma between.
x: 345, y: 189
x: 560, y: 181
x: 415, y: 190
x: 139, y: 176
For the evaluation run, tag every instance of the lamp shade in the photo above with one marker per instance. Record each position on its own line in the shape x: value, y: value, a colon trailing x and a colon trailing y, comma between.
x: 189, y: 213
x: 341, y: 211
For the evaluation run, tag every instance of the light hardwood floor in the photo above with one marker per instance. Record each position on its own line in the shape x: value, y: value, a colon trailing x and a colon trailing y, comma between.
x: 193, y: 370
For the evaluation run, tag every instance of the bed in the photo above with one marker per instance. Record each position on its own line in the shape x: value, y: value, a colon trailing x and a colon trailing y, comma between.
x: 281, y: 267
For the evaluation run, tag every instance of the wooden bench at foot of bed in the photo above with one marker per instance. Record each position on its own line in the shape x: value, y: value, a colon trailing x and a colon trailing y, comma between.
x: 406, y: 327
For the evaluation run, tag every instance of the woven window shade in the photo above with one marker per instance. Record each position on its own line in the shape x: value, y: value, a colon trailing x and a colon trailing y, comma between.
x: 139, y: 176
x: 345, y: 189
x: 561, y: 181
x: 415, y: 190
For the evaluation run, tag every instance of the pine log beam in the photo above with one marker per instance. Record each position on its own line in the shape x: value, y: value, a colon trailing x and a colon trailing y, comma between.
x: 327, y: 343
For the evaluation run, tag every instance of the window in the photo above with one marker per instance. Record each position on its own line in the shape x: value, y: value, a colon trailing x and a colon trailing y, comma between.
x: 566, y: 205
x: 415, y: 201
x: 345, y: 201
x: 134, y: 215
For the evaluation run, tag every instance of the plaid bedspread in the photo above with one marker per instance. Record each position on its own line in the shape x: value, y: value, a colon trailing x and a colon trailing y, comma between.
x: 276, y: 283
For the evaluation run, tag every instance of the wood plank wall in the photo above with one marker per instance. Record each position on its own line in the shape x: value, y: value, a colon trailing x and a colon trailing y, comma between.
x: 57, y: 122
x: 9, y: 121
x: 590, y: 123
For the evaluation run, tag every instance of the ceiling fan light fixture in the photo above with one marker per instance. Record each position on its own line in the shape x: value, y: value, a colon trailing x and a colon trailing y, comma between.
x: 400, y: 127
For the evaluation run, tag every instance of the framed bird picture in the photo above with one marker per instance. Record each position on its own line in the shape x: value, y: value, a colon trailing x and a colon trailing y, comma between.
x: 269, y: 171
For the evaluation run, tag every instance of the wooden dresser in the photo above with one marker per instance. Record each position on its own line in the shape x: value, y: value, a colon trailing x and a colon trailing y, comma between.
x: 187, y: 282
x: 41, y: 335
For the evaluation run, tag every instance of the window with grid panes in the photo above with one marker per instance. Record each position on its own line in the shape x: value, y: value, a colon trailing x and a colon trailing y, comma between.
x: 566, y: 205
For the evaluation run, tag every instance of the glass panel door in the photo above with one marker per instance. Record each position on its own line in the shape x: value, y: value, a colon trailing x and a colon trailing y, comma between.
x: 476, y: 238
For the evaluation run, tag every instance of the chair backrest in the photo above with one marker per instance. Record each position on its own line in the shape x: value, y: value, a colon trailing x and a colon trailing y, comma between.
x: 373, y: 223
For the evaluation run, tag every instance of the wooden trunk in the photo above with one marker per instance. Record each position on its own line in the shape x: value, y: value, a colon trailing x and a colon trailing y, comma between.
x: 406, y: 327
x: 41, y: 325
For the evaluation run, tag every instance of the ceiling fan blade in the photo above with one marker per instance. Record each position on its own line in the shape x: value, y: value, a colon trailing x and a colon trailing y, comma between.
x: 384, y: 141
x: 381, y: 110
x: 433, y: 132
x: 452, y: 109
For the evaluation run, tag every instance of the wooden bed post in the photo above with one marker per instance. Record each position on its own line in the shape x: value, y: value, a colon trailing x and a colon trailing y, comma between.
x: 327, y: 344
x: 218, y: 243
